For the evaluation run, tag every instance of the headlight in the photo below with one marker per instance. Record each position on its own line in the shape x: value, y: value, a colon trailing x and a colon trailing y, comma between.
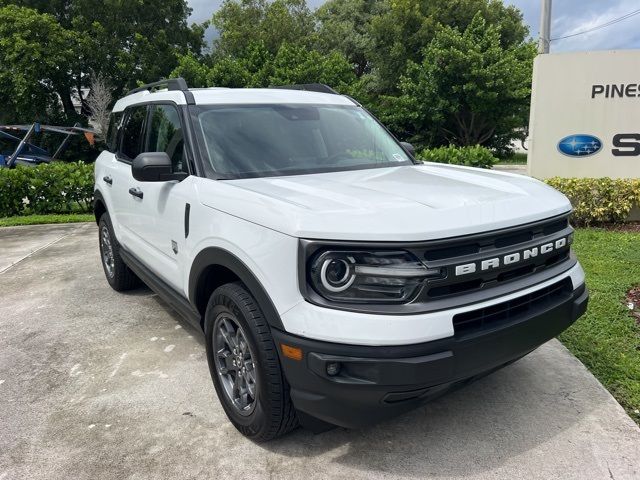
x: 367, y: 276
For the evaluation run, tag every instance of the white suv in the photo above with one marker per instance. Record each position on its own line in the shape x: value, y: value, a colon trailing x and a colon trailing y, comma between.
x: 337, y: 280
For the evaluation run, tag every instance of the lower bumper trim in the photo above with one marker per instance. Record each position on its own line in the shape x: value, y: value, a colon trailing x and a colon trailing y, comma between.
x: 374, y: 383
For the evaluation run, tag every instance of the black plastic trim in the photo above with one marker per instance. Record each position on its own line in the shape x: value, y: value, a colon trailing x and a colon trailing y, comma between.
x: 187, y: 212
x: 171, y: 84
x: 307, y: 87
x: 213, y: 256
x: 97, y: 200
x: 378, y: 382
x: 168, y: 293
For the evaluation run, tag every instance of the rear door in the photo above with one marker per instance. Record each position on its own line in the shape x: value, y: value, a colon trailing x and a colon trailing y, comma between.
x: 128, y: 206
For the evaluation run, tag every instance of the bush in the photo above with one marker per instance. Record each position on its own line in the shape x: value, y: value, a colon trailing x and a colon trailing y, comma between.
x: 599, y: 200
x: 470, y: 156
x: 47, y: 188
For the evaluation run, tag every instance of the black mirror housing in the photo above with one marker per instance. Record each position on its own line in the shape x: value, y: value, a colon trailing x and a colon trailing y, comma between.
x: 154, y: 167
x: 408, y: 148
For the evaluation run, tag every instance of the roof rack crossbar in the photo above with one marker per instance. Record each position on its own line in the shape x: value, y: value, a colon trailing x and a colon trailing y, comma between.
x: 309, y: 87
x: 178, y: 84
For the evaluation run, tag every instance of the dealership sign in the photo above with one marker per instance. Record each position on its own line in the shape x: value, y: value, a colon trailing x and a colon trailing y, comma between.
x: 585, y: 115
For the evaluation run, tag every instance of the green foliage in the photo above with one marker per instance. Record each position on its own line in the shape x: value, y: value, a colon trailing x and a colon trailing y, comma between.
x: 272, y: 24
x: 345, y: 27
x: 599, y: 200
x: 258, y: 68
x: 467, y: 90
x: 513, y: 159
x: 33, y: 46
x: 52, y: 47
x: 607, y: 338
x: 295, y: 64
x: 47, y: 188
x: 46, y: 219
x: 406, y: 26
x: 475, y: 156
x: 454, y: 71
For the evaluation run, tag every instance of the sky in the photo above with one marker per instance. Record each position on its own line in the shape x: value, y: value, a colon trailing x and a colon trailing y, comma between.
x: 569, y: 17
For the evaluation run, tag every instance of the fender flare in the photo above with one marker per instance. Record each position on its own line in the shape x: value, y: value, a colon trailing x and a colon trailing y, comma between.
x: 97, y: 200
x: 218, y: 256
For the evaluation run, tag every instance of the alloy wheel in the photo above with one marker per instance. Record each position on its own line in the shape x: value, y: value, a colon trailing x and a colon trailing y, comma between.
x: 235, y: 364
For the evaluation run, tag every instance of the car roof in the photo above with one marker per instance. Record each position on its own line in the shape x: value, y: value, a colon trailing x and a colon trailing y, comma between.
x: 233, y: 96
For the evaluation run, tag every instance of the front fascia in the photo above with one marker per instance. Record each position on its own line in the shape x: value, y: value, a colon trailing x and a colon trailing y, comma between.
x: 339, y: 326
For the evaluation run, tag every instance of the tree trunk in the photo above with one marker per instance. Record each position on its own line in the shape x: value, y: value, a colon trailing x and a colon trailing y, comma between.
x: 67, y: 102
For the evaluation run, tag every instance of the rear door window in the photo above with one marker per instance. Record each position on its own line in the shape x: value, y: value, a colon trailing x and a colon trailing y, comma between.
x: 115, y: 123
x: 132, y: 132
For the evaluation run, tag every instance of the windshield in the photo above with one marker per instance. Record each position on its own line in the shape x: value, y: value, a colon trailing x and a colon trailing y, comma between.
x: 267, y: 140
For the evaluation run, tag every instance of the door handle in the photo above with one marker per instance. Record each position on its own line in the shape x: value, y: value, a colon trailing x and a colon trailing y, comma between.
x: 136, y: 192
x: 108, y: 179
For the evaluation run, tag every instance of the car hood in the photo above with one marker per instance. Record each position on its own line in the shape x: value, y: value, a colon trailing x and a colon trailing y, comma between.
x: 409, y: 203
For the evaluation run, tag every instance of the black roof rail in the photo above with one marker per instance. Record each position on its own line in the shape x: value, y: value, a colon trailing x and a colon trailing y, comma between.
x: 309, y: 87
x: 169, y: 83
x: 172, y: 84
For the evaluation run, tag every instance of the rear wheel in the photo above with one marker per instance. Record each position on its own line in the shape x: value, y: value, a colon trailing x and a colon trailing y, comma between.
x: 244, y: 365
x: 119, y: 276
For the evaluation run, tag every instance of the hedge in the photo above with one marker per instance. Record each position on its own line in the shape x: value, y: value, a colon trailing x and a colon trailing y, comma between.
x: 48, y: 188
x: 599, y: 200
x: 476, y: 156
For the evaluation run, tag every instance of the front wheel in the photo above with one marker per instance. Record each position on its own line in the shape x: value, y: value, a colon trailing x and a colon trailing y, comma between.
x: 244, y: 365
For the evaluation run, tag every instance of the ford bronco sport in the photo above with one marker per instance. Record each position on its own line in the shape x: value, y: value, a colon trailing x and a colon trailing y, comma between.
x: 337, y: 280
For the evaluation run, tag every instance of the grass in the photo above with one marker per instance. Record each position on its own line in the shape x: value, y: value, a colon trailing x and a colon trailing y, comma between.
x: 41, y: 219
x: 607, y: 338
x: 515, y: 159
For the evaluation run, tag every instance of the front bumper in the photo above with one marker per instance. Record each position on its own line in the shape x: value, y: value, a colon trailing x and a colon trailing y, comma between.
x: 379, y: 382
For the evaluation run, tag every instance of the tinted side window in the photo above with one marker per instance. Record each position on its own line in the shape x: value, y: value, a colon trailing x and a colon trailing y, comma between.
x: 166, y: 136
x: 112, y: 134
x: 132, y: 132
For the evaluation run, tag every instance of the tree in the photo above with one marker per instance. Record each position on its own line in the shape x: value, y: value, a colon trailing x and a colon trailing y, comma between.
x: 468, y: 89
x: 400, y: 34
x: 125, y: 42
x: 344, y: 26
x: 37, y: 57
x: 99, y: 101
x: 242, y: 23
x: 258, y: 68
x: 296, y: 64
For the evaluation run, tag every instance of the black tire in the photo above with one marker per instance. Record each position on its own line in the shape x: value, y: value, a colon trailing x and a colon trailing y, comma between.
x: 272, y: 413
x: 119, y: 276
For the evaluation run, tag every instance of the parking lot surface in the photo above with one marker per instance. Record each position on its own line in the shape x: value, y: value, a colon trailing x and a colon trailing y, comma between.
x: 100, y: 385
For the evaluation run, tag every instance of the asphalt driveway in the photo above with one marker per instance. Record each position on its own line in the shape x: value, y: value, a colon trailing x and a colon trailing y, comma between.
x: 100, y: 385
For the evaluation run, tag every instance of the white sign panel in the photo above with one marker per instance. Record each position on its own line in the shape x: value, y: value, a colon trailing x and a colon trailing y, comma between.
x: 585, y: 115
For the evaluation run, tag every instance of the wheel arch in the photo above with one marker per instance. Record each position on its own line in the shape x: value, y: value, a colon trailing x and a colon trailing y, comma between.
x: 99, y: 205
x: 213, y: 267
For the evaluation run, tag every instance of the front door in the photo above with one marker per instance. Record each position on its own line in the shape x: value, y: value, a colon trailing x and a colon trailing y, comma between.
x: 161, y: 220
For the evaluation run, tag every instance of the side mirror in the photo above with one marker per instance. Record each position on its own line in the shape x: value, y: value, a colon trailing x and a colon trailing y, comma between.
x: 408, y: 148
x: 154, y: 167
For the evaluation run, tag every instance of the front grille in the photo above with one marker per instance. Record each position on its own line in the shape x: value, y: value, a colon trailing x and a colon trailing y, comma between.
x: 494, y: 245
x: 508, y: 312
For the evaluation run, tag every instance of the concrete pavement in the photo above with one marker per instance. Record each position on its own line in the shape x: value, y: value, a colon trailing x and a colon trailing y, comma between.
x: 100, y: 385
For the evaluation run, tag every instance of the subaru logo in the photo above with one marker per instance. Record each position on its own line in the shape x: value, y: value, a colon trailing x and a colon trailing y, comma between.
x: 579, y: 145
